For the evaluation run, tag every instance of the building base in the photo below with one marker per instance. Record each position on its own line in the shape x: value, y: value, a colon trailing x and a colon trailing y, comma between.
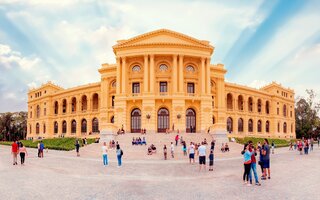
x: 106, y: 135
x: 220, y: 136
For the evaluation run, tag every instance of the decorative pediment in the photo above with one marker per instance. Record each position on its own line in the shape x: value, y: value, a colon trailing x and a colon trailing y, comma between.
x: 163, y: 36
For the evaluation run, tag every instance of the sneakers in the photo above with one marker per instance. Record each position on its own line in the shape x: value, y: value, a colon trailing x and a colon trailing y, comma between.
x: 258, y: 184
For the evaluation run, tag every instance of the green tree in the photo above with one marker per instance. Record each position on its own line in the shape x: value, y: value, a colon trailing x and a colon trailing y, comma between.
x: 306, y: 114
x: 13, y: 126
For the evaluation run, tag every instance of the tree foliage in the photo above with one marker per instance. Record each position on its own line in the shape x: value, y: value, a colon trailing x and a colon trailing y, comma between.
x: 13, y: 126
x: 306, y: 114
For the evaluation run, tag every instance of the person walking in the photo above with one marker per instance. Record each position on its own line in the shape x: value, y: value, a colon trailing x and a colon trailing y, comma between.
x: 184, y: 148
x: 23, y: 152
x: 119, y: 153
x: 247, y: 164
x: 172, y: 150
x: 266, y: 160
x: 105, y: 154
x: 191, y: 150
x: 165, y: 152
x: 311, y: 144
x: 77, y: 147
x: 38, y: 149
x: 41, y: 149
x: 14, y: 152
x: 211, y: 160
x: 300, y: 145
x: 272, y: 147
x: 177, y: 139
x: 306, y: 147
x: 202, y: 156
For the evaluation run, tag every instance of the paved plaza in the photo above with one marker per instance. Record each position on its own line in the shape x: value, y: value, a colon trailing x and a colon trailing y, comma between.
x: 62, y: 175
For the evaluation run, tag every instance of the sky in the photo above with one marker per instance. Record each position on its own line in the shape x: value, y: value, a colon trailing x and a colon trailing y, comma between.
x: 66, y: 41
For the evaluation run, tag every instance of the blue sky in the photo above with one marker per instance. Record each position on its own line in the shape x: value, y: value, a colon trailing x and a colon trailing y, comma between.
x: 66, y: 41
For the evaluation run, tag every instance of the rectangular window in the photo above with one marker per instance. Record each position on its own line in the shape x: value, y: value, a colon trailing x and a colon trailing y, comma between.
x: 277, y: 111
x: 163, y: 87
x: 112, y: 101
x: 135, y: 88
x: 190, y: 88
x: 44, y: 111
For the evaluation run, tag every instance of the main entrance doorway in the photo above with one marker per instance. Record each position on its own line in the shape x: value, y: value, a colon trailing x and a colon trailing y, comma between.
x: 163, y: 120
x: 136, y: 121
x: 190, y: 121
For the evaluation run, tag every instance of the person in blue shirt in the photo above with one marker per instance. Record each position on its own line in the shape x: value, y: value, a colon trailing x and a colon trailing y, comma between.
x: 41, y: 148
x: 247, y: 164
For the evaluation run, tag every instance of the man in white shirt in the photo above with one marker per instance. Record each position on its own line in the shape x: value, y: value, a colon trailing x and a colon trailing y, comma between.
x: 105, y: 154
x: 191, y: 152
x: 172, y: 150
x: 202, y: 156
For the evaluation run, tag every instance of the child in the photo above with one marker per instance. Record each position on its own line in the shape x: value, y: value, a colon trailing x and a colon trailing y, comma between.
x: 211, y: 161
x: 165, y: 152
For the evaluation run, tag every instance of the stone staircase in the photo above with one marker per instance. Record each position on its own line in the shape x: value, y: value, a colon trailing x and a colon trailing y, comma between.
x: 139, y: 152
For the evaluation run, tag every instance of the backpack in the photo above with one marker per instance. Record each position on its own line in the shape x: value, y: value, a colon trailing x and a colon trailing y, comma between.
x: 121, y: 153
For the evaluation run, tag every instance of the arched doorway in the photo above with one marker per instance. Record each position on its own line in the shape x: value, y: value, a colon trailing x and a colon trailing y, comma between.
x: 163, y: 120
x: 136, y: 121
x: 190, y: 121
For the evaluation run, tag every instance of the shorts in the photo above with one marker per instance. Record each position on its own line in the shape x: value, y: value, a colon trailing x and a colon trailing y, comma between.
x: 211, y: 163
x: 191, y: 155
x: 202, y: 160
x: 266, y: 164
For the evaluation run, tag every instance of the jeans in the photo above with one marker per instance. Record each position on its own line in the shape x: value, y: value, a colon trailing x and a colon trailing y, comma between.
x: 246, y: 173
x: 254, y: 170
x: 119, y: 160
x: 305, y: 150
x: 105, y: 159
x: 22, y: 156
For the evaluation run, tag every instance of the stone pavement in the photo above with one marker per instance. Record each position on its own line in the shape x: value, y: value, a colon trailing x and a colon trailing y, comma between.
x: 62, y: 175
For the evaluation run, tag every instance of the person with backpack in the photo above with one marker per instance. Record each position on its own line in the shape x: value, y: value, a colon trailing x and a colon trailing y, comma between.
x: 41, y: 149
x: 119, y: 155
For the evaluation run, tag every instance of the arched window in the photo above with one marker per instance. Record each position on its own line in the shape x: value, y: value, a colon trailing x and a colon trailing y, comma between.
x: 73, y: 105
x: 292, y: 128
x: 259, y: 106
x: 284, y: 110
x: 229, y: 125
x: 44, y: 128
x: 64, y: 106
x: 267, y: 126
x: 84, y: 126
x: 285, y: 127
x: 250, y: 104
x: 267, y: 107
x: 213, y: 120
x: 240, y: 125
x: 190, y: 68
x: 37, y: 128
x: 278, y: 127
x: 95, y: 101
x: 84, y: 103
x: 259, y: 126
x: 240, y: 102
x: 229, y: 101
x: 64, y: 127
x: 112, y: 119
x: 30, y: 129
x: 56, y: 107
x: 136, y: 68
x: 73, y: 126
x: 95, y: 125
x: 38, y: 111
x: 114, y: 84
x: 250, y: 125
x: 163, y: 68
x: 55, y: 127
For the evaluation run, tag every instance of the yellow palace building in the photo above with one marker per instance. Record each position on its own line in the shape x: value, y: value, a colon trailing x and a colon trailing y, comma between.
x: 162, y: 80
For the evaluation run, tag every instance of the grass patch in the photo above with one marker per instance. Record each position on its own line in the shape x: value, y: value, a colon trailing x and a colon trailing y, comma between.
x: 277, y: 142
x: 64, y: 144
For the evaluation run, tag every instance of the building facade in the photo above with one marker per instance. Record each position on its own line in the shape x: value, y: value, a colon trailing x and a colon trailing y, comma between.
x: 162, y: 80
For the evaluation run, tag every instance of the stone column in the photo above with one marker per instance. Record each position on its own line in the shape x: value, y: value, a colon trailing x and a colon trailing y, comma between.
x: 118, y: 82
x: 146, y: 74
x: 152, y: 77
x: 208, y: 76
x: 203, y: 82
x: 123, y: 74
x: 181, y: 74
x: 174, y: 75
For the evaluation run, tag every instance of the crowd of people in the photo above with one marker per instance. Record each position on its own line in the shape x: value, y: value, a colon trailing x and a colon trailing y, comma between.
x: 139, y: 141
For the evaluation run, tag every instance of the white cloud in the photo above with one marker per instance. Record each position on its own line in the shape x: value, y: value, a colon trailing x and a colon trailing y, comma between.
x: 258, y: 84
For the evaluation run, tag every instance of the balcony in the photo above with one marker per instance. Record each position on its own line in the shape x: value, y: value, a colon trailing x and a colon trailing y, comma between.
x: 163, y: 93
